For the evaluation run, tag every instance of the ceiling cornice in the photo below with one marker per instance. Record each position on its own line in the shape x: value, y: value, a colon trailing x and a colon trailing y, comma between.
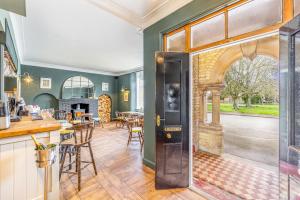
x: 164, y: 10
x: 77, y: 69
x: 118, y: 11
x: 157, y: 13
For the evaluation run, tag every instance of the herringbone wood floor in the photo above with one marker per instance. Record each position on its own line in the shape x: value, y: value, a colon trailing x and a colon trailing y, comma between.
x: 121, y: 174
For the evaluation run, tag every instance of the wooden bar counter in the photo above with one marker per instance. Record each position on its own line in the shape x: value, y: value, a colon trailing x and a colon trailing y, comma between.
x: 27, y: 126
x: 20, y: 178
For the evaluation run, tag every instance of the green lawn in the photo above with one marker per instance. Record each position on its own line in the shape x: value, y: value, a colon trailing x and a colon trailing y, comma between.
x: 268, y: 109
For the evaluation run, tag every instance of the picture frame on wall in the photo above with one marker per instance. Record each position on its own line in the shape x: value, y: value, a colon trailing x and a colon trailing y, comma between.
x: 126, y: 96
x: 45, y: 83
x: 105, y: 87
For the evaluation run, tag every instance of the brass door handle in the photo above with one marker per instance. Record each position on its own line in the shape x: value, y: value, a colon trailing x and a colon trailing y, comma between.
x: 158, y: 120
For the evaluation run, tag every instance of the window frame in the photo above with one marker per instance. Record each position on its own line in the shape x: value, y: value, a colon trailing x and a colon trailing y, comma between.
x: 137, y: 90
x: 287, y: 14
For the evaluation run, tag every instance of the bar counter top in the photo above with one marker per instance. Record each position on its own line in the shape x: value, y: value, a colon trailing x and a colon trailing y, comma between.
x: 26, y: 127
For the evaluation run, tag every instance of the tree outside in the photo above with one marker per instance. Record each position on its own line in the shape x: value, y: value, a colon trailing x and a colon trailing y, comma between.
x: 252, y: 85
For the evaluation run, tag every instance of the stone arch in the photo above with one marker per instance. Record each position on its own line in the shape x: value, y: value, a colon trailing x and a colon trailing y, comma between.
x: 268, y: 46
x: 209, y: 69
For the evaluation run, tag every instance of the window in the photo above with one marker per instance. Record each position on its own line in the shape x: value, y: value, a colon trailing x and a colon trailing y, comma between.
x: 140, y: 91
x: 253, y: 16
x: 176, y: 42
x: 78, y: 87
x: 211, y: 30
x: 238, y: 21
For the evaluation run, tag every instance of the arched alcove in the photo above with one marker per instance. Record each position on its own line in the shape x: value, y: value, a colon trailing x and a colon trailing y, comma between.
x: 45, y: 101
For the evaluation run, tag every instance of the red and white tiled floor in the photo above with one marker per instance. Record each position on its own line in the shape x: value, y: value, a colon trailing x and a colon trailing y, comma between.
x: 228, y: 179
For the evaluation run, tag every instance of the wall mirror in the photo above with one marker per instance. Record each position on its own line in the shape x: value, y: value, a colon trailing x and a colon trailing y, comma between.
x: 78, y: 87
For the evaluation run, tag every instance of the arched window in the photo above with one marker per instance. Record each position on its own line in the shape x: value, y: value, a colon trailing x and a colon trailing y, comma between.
x: 78, y: 87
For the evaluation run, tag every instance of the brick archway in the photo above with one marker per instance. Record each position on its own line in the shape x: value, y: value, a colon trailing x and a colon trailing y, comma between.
x: 209, y: 69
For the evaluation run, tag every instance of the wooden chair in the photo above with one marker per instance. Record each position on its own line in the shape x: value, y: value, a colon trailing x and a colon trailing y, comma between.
x: 82, y: 139
x: 98, y: 120
x: 119, y: 119
x: 136, y: 131
x: 86, y: 117
x: 60, y: 115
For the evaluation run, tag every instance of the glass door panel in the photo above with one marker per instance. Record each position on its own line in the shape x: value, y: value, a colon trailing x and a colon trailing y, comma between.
x: 290, y: 110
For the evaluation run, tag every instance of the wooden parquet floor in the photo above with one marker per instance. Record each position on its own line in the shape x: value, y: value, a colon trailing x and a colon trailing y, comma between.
x: 121, y: 174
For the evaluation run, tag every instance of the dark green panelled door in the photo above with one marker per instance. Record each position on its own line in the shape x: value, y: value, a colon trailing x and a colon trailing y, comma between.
x: 172, y: 120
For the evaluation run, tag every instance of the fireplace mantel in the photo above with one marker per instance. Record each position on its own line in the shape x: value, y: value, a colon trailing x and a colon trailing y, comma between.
x: 66, y: 104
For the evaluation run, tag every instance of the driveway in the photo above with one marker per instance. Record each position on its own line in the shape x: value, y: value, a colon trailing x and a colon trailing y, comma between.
x: 254, y: 138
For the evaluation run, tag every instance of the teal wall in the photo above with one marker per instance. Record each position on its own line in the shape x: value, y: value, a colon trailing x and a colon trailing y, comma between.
x: 152, y: 43
x: 17, y: 6
x: 127, y: 81
x: 5, y: 15
x: 33, y: 94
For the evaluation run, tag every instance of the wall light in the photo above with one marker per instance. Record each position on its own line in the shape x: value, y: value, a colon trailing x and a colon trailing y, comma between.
x: 124, y: 89
x: 27, y: 78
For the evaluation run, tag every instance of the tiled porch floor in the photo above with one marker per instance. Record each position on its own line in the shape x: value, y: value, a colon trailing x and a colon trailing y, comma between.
x: 215, y: 174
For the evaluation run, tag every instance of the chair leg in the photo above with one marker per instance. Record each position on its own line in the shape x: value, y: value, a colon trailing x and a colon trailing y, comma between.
x: 92, y: 156
x: 63, y: 161
x: 129, y: 138
x: 141, y: 140
x: 70, y: 160
x: 78, y: 167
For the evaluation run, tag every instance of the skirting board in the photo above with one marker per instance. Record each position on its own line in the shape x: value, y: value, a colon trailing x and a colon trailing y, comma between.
x: 149, y: 163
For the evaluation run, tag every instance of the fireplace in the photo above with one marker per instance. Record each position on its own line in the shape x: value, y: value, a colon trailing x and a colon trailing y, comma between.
x: 76, y: 105
x: 78, y: 109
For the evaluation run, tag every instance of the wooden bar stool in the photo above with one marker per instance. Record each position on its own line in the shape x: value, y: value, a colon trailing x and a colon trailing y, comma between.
x: 82, y: 139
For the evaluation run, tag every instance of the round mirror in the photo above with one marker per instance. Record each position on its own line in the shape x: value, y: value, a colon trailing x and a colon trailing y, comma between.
x: 78, y: 87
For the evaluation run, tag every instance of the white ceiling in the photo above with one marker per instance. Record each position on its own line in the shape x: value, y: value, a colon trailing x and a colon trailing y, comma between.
x: 101, y: 36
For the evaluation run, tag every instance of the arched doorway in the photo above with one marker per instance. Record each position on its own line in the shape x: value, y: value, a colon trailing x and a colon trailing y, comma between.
x: 104, y: 108
x: 223, y: 146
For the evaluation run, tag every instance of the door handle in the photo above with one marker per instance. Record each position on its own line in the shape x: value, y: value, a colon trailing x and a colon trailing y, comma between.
x: 158, y: 120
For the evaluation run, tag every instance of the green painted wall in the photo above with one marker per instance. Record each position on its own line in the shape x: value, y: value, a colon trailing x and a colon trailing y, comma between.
x: 127, y: 81
x: 17, y: 6
x: 32, y: 92
x: 5, y: 15
x: 152, y: 43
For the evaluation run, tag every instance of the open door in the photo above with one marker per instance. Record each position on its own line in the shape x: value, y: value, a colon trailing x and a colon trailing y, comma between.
x: 290, y: 110
x: 172, y: 120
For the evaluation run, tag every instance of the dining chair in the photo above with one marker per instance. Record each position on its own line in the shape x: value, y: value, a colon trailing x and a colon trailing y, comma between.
x: 119, y: 119
x: 81, y: 139
x: 86, y: 117
x: 136, y: 131
x: 60, y: 115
